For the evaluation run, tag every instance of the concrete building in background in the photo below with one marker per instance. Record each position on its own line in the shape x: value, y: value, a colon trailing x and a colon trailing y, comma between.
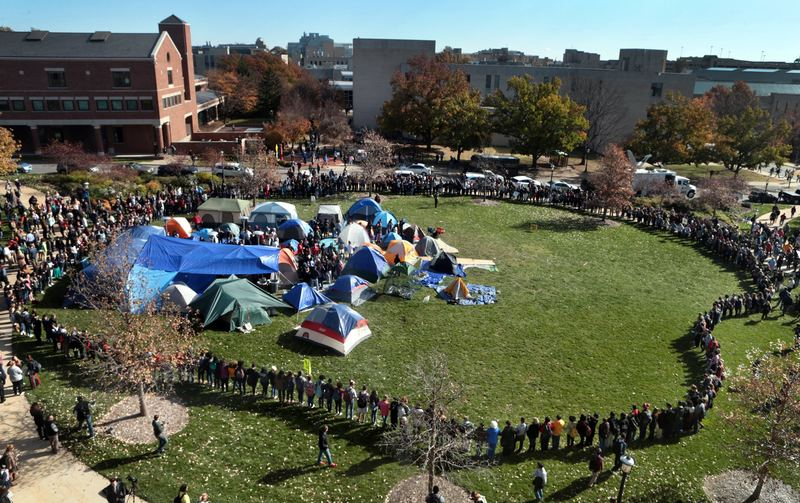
x: 205, y: 56
x: 374, y: 63
x: 581, y: 59
x: 319, y: 51
x: 642, y: 60
x: 117, y: 93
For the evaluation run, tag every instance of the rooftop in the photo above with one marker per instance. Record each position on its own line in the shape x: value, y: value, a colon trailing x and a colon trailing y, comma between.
x: 54, y: 45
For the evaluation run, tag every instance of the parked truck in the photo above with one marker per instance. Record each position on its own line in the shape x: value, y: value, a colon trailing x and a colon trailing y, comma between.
x: 646, y: 181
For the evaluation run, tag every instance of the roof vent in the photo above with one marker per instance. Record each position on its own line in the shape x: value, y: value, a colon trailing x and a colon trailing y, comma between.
x: 36, y: 35
x: 100, y: 36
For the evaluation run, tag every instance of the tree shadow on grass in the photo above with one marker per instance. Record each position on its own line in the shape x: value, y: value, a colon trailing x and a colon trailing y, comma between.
x: 276, y: 477
x: 54, y: 296
x: 113, y: 463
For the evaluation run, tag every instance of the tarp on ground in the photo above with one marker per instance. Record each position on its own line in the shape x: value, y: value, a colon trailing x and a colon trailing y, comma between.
x: 198, y: 257
x: 302, y: 297
x: 238, y: 300
x: 332, y: 212
x: 368, y: 264
x: 350, y: 289
x: 401, y: 282
x: 478, y: 295
x: 178, y: 226
x: 294, y: 229
x: 334, y: 326
x: 354, y: 234
x: 364, y: 209
x: 271, y: 214
x: 427, y: 247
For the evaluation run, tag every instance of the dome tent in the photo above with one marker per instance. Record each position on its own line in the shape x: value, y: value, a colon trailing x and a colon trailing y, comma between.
x: 303, y: 297
x: 400, y: 251
x: 364, y: 209
x: 178, y: 226
x: 178, y: 295
x: 367, y: 263
x: 444, y: 263
x: 334, y: 326
x: 236, y: 299
x: 332, y: 212
x: 294, y: 229
x: 355, y: 235
x: 351, y: 289
x: 272, y: 214
x: 427, y: 247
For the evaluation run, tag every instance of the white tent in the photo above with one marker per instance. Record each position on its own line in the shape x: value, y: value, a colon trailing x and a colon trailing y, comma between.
x: 355, y: 235
x: 330, y: 212
x: 272, y: 213
x: 180, y: 295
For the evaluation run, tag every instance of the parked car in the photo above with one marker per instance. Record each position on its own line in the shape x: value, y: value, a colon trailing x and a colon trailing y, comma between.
x: 231, y: 169
x: 24, y: 167
x: 560, y: 186
x: 419, y: 169
x: 521, y: 182
x: 143, y: 168
x: 403, y: 172
x: 63, y: 169
x: 788, y: 197
x: 176, y: 169
x: 760, y: 196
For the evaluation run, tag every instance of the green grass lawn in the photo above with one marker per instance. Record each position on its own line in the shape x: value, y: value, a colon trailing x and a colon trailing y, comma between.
x: 695, y: 173
x: 590, y: 318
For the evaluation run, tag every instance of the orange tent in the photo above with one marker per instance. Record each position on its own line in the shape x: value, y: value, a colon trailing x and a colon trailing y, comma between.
x: 457, y: 289
x: 178, y: 226
x: 400, y: 250
x: 287, y: 267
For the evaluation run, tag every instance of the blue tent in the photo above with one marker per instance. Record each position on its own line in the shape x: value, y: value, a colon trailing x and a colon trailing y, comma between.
x: 367, y: 263
x: 385, y: 218
x: 392, y: 236
x: 351, y: 289
x: 292, y: 243
x: 294, y: 229
x: 363, y: 209
x: 302, y: 297
x: 183, y: 255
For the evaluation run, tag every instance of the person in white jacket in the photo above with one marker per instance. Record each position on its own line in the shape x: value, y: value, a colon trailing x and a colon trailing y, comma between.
x: 16, y: 376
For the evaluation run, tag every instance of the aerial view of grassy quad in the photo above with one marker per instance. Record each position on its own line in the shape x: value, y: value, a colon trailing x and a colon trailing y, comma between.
x: 591, y: 317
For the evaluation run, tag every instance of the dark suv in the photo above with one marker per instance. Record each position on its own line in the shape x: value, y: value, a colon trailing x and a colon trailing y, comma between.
x: 176, y: 169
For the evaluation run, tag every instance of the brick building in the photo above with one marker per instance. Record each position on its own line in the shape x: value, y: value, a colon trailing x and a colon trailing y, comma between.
x: 117, y: 93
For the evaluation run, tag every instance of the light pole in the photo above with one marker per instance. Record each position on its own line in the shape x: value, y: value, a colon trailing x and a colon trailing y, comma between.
x: 586, y: 161
x: 627, y: 465
x: 222, y: 167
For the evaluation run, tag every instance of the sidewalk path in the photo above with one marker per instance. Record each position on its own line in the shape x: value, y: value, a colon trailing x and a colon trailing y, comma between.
x: 43, y: 477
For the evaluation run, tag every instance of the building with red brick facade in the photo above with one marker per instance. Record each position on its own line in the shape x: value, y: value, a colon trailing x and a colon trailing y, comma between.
x: 117, y: 93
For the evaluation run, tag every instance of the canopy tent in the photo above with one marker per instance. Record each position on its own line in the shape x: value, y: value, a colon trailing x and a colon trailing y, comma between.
x: 355, y: 235
x: 303, y: 297
x: 236, y: 299
x: 294, y: 229
x: 457, y: 290
x: 367, y: 263
x: 332, y: 212
x: 178, y: 226
x: 400, y: 251
x: 230, y: 229
x: 427, y: 247
x: 287, y: 268
x: 412, y: 233
x: 351, y: 289
x: 389, y: 238
x: 272, y: 214
x: 385, y: 219
x: 198, y: 257
x: 334, y: 326
x: 178, y: 295
x: 444, y: 263
x: 363, y: 209
x: 218, y: 210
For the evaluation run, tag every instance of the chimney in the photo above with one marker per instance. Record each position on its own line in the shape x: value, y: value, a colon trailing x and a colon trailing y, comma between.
x: 180, y: 33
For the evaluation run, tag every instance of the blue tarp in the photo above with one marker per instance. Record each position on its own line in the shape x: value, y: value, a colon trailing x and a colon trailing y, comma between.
x: 145, y: 284
x: 364, y: 209
x: 182, y: 255
x: 479, y: 295
x: 367, y: 263
x: 302, y: 296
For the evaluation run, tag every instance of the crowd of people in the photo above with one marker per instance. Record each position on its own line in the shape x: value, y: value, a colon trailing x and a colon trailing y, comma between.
x: 50, y: 237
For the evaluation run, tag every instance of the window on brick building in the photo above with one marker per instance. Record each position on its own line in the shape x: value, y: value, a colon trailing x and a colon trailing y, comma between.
x: 56, y: 78
x: 146, y: 103
x: 656, y: 88
x: 83, y: 105
x: 53, y: 105
x: 132, y: 104
x: 5, y: 106
x: 116, y: 104
x: 121, y: 78
x: 67, y: 105
x: 169, y: 77
x: 101, y: 105
x: 18, y: 105
x: 37, y: 105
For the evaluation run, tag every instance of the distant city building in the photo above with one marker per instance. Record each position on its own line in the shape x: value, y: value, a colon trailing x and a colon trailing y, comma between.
x: 692, y: 63
x: 319, y: 51
x: 117, y: 93
x: 205, y: 56
x: 504, y: 56
x: 581, y: 59
x: 642, y: 60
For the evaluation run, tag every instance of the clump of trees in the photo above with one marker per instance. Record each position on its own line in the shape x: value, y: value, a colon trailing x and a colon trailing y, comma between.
x: 8, y: 147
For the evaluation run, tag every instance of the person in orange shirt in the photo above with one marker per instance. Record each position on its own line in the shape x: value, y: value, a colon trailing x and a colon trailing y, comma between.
x: 557, y: 427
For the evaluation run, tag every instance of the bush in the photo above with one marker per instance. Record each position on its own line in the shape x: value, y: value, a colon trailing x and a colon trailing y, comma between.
x: 208, y: 178
x: 153, y: 186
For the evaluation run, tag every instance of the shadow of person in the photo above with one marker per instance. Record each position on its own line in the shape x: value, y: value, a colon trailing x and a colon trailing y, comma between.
x: 276, y: 477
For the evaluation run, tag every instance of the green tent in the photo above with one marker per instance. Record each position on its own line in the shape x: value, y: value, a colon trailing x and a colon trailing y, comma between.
x: 239, y: 300
x: 218, y: 210
x: 401, y: 269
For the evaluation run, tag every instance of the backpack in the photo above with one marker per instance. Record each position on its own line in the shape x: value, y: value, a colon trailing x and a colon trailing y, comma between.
x: 239, y: 374
x: 362, y: 402
x: 310, y: 388
x: 177, y: 499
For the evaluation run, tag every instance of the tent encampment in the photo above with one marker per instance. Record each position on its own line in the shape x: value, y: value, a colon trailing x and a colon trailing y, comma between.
x: 178, y: 226
x: 219, y: 210
x: 412, y: 233
x: 400, y: 250
x: 427, y: 247
x: 287, y: 268
x: 272, y: 214
x: 178, y: 295
x: 355, y: 235
x: 388, y: 238
x: 350, y: 289
x: 330, y: 212
x: 303, y: 297
x: 444, y: 263
x: 367, y: 263
x: 238, y: 300
x: 334, y: 326
x: 363, y: 209
x: 183, y: 255
x: 294, y: 229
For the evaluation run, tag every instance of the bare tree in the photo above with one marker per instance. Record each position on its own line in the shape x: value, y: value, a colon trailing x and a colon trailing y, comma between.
x: 265, y: 170
x: 613, y: 183
x: 769, y: 392
x: 431, y: 439
x: 71, y: 155
x: 377, y: 155
x: 142, y: 341
x: 604, y: 110
x: 722, y: 193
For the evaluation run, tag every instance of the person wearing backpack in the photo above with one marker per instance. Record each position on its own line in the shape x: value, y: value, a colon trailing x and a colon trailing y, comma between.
x: 183, y: 495
x: 32, y: 369
x: 596, y: 465
x: 350, y: 396
x: 51, y: 431
x: 362, y: 399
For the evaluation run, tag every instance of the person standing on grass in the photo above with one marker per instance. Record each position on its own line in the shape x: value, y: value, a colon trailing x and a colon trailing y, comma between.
x: 545, y: 433
x: 572, y: 431
x: 557, y: 427
x: 492, y: 435
x: 324, y: 448
x: 619, y: 450
x: 596, y: 465
x: 533, y: 434
x: 350, y: 397
x: 362, y: 400
x: 32, y: 369
x: 507, y: 440
x: 160, y: 434
x: 373, y: 407
x: 300, y: 386
x: 83, y: 412
x: 520, y: 430
x: 251, y: 376
x: 51, y: 431
x: 183, y: 495
x: 539, y: 481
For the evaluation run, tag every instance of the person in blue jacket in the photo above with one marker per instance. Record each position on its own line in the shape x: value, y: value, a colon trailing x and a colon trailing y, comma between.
x: 492, y: 435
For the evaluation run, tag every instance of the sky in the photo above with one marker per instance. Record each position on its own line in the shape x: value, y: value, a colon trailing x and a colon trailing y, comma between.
x: 753, y: 29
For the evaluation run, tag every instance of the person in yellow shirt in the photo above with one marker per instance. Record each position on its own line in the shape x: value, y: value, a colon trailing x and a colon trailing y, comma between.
x: 557, y: 427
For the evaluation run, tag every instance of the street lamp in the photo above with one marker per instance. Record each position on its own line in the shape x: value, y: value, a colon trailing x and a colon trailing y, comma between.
x: 586, y: 160
x: 627, y: 465
x: 222, y: 167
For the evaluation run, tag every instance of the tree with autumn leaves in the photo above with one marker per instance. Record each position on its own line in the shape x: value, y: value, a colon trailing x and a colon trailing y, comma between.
x: 8, y: 147
x: 613, y: 184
